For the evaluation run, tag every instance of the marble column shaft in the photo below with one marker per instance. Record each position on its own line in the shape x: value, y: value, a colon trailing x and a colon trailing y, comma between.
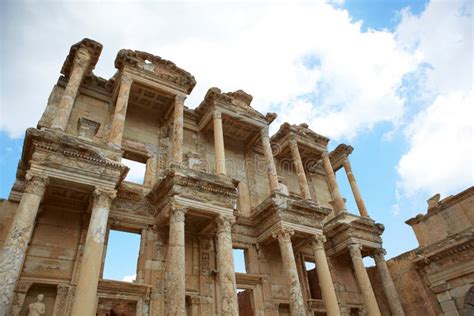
x: 12, y: 254
x: 118, y: 122
x: 390, y: 292
x: 355, y: 188
x: 85, y: 299
x: 338, y: 201
x: 363, y: 281
x: 219, y: 143
x: 324, y: 276
x: 289, y: 266
x: 225, y: 266
x: 178, y: 126
x: 302, y: 181
x: 175, y: 265
x: 79, y: 67
x: 151, y: 171
x: 267, y: 151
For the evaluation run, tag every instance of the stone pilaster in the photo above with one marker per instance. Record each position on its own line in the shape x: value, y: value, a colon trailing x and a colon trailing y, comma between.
x: 324, y: 276
x: 336, y: 193
x: 390, y: 292
x: 225, y: 266
x: 13, y: 253
x: 151, y: 171
x: 288, y: 262
x: 267, y: 151
x: 355, y: 188
x: 219, y: 143
x: 363, y: 281
x: 178, y: 125
x: 80, y: 64
x: 62, y: 298
x: 86, y: 291
x: 118, y: 122
x: 175, y: 296
x: 302, y: 181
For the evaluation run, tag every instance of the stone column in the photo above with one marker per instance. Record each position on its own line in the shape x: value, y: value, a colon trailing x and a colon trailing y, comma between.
x: 225, y: 266
x: 390, y: 292
x: 219, y: 143
x: 338, y: 201
x: 151, y: 171
x: 178, y: 125
x: 13, y: 253
x: 118, y: 122
x: 85, y: 299
x: 62, y: 297
x: 175, y: 295
x: 295, y: 153
x: 324, y: 276
x: 355, y: 188
x: 363, y: 281
x: 267, y: 151
x: 79, y: 67
x: 289, y: 266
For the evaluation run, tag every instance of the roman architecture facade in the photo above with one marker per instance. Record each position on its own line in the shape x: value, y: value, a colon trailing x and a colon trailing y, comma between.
x: 215, y: 181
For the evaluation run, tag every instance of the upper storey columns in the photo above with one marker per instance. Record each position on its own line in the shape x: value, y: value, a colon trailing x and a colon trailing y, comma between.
x: 81, y: 62
x: 338, y: 201
x: 303, y: 182
x: 219, y: 142
x: 267, y: 151
x: 13, y: 252
x: 355, y: 188
x: 85, y: 299
x: 178, y: 125
x: 118, y: 122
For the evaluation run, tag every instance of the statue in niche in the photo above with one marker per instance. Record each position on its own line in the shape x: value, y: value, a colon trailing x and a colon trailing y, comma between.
x: 37, y: 308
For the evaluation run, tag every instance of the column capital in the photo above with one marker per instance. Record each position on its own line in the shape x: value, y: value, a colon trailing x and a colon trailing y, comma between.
x: 292, y: 142
x: 225, y: 223
x: 103, y: 197
x: 217, y: 114
x: 36, y: 183
x: 179, y: 98
x: 354, y: 250
x: 379, y: 254
x: 325, y: 154
x: 264, y: 131
x: 318, y: 241
x: 177, y: 214
x: 82, y: 58
x: 283, y: 234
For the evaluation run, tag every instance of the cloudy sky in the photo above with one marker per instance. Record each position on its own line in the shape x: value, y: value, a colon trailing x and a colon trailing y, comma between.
x: 393, y: 78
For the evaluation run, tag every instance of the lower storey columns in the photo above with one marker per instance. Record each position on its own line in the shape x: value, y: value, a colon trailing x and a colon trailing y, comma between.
x: 289, y: 264
x: 387, y: 283
x: 225, y: 264
x: 86, y: 291
x: 363, y: 281
x: 324, y: 276
x: 175, y: 296
x: 13, y: 252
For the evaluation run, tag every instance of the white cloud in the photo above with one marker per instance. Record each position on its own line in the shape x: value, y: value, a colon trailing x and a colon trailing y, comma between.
x: 129, y: 278
x: 440, y: 154
x: 351, y: 79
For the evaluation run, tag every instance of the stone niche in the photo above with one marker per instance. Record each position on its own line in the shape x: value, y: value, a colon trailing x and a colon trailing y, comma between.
x: 49, y: 291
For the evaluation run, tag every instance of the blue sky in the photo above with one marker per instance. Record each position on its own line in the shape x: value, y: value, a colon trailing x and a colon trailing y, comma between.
x: 391, y: 78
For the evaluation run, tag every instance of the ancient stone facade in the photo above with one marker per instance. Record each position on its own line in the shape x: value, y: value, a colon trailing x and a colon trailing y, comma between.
x: 437, y: 278
x: 215, y: 181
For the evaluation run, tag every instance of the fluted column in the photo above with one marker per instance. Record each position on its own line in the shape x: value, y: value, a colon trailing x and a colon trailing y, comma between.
x: 175, y: 265
x: 225, y: 266
x: 324, y: 276
x: 390, y: 292
x: 338, y: 201
x: 289, y: 266
x: 13, y: 253
x: 302, y: 181
x: 178, y: 125
x: 267, y: 151
x: 80, y: 64
x: 85, y: 299
x: 355, y: 188
x: 219, y: 143
x: 118, y: 122
x: 363, y: 281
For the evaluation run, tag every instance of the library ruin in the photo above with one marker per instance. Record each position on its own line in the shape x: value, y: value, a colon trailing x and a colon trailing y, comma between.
x: 215, y: 182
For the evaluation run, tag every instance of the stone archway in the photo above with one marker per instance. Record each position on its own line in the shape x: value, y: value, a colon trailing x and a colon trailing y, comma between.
x: 469, y: 302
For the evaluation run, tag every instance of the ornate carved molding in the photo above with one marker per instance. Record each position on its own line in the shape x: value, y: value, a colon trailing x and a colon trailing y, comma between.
x: 283, y: 234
